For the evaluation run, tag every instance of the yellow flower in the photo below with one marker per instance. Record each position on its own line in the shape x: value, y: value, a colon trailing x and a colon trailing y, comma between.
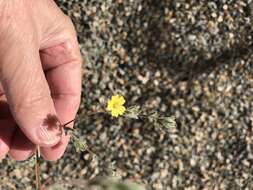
x: 116, y: 105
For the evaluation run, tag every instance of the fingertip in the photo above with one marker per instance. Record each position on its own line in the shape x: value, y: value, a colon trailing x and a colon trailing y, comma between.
x: 46, y: 134
x: 21, y: 148
x: 49, y: 133
x: 4, y: 149
x: 7, y: 127
x: 17, y: 156
x: 56, y: 152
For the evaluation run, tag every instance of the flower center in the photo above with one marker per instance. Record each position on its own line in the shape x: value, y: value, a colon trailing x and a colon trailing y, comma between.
x: 115, y: 106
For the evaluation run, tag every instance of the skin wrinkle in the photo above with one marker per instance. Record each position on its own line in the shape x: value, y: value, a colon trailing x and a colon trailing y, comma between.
x: 74, y: 101
x: 62, y: 37
x: 33, y: 22
x: 55, y: 22
x: 26, y: 20
x: 66, y: 47
x: 54, y: 34
x: 8, y: 58
x: 5, y: 17
x: 12, y: 72
x: 65, y: 95
x: 12, y: 25
x: 36, y: 95
x: 73, y: 62
x: 5, y: 54
x: 16, y: 76
x: 66, y: 50
x: 55, y: 89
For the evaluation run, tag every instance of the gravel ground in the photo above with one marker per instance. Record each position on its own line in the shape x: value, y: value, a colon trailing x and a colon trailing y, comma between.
x: 191, y: 60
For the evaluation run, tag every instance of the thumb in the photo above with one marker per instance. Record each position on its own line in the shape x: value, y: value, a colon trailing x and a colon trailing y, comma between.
x: 28, y: 94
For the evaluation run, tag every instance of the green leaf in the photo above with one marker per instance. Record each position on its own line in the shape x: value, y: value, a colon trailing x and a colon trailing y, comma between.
x: 57, y: 187
x: 112, y: 184
x: 133, y: 112
x: 169, y: 122
x: 79, y: 144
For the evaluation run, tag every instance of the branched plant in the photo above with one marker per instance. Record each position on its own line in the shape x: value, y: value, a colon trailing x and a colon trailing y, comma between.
x: 115, y: 107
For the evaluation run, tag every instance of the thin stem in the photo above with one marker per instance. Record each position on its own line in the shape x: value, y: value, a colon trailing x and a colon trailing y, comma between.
x: 87, y: 114
x: 37, y: 168
x: 64, y: 125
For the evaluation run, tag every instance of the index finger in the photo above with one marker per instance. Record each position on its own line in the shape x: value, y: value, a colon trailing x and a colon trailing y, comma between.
x: 62, y: 64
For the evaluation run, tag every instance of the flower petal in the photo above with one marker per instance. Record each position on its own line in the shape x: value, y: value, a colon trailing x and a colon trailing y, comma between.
x: 115, y: 113
x: 109, y: 106
x: 121, y: 100
x: 121, y: 110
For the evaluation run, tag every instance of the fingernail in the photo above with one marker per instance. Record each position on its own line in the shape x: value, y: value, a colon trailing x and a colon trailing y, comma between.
x: 49, y: 135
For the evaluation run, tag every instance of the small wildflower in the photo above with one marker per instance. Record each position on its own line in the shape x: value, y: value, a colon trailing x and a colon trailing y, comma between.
x: 116, y: 105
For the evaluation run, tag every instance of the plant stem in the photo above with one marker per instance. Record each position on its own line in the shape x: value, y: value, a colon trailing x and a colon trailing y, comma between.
x: 37, y: 168
x: 68, y: 122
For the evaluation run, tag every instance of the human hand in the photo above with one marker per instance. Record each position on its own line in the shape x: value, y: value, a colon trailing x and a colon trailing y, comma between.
x: 40, y: 78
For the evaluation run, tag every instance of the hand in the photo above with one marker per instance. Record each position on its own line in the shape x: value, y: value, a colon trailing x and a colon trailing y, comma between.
x: 40, y: 78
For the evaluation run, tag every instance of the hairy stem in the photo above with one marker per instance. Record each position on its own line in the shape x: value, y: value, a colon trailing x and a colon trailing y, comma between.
x: 37, y: 168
